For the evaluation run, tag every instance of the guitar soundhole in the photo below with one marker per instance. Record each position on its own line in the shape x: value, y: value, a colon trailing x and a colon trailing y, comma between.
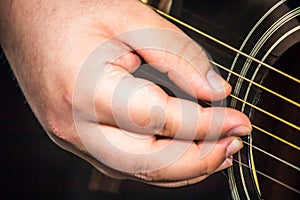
x: 289, y: 63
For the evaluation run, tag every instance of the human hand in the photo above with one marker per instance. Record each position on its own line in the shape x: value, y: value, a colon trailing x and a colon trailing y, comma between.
x: 73, y: 62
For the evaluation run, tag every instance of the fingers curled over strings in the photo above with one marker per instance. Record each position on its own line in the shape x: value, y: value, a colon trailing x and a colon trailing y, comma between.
x: 141, y: 106
x: 163, y: 160
x: 177, y: 55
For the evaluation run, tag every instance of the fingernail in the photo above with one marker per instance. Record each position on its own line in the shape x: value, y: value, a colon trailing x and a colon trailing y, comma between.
x: 234, y: 147
x: 239, y: 131
x: 227, y: 163
x: 216, y: 81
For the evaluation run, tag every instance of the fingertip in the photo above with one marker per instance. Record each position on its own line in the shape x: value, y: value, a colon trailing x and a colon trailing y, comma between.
x: 204, y: 90
x: 235, y: 145
x: 216, y: 82
x: 227, y: 163
x: 239, y: 123
x: 211, y: 86
x: 239, y: 131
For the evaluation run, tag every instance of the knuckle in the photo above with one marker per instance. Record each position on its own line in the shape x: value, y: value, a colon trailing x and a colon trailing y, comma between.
x: 148, y: 176
x: 144, y: 172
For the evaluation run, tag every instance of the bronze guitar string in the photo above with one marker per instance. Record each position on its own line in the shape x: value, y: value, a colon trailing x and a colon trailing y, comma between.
x: 248, y: 80
x: 224, y: 44
x: 264, y: 88
x: 270, y: 177
x: 249, y: 104
x: 173, y: 88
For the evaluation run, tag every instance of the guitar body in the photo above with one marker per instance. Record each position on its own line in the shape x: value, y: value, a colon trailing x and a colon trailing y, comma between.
x: 269, y: 31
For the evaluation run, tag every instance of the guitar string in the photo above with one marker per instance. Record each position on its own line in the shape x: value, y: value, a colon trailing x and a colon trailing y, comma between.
x: 273, y: 156
x: 268, y: 154
x: 254, y: 59
x: 259, y: 22
x: 165, y: 83
x: 276, y: 137
x: 266, y: 112
x: 256, y: 84
x: 173, y: 88
x: 239, y: 52
x: 269, y: 177
x: 261, y: 63
x: 256, y: 107
x: 224, y: 44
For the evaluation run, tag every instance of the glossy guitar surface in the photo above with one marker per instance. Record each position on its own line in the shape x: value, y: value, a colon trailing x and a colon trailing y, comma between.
x: 268, y: 91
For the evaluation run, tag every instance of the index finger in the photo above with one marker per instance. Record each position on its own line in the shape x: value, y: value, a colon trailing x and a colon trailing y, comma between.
x: 177, y: 55
x: 141, y: 106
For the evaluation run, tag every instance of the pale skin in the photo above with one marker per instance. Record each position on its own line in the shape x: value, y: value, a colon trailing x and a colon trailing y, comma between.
x: 46, y: 43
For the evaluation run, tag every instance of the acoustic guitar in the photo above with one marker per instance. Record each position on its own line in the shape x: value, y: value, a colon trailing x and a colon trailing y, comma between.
x: 255, y: 45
